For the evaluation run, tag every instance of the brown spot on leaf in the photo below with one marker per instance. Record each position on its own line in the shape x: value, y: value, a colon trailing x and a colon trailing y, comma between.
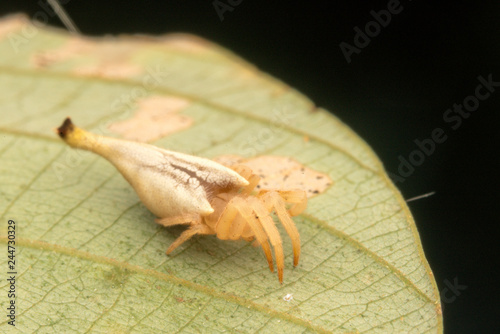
x: 92, y: 57
x: 282, y: 173
x: 179, y: 299
x: 439, y: 310
x: 230, y: 160
x: 156, y: 117
x: 10, y: 26
x: 186, y: 43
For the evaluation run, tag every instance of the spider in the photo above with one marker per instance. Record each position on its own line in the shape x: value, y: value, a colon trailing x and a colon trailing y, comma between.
x: 182, y: 189
x: 241, y: 214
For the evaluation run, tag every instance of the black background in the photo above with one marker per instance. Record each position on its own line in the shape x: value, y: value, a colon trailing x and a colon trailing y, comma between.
x: 393, y: 92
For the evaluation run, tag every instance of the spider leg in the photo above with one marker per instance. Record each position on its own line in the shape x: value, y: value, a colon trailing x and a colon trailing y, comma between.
x: 187, y: 234
x: 271, y: 230
x: 273, y: 200
x: 297, y: 197
x: 187, y: 219
x: 226, y: 218
x: 238, y: 205
x: 247, y: 173
x: 253, y: 180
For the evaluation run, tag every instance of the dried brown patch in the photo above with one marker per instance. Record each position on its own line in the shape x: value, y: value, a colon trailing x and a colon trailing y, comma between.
x: 439, y: 309
x: 186, y: 43
x: 156, y: 117
x: 282, y: 173
x: 12, y: 24
x: 229, y: 160
x: 179, y: 299
x: 97, y: 58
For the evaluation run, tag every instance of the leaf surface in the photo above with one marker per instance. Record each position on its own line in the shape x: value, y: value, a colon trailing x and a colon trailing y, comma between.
x: 89, y: 255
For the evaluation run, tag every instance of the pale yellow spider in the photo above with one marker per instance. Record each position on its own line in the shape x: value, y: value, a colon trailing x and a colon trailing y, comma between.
x: 182, y: 189
x: 239, y: 214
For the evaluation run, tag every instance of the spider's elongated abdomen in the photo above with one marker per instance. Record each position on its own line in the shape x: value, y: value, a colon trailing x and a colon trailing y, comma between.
x: 167, y: 182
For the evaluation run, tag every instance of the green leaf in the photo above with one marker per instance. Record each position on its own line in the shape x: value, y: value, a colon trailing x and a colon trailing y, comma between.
x: 89, y: 255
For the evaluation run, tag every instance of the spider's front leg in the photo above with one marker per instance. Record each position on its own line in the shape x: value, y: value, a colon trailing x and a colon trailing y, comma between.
x: 238, y: 207
x: 298, y: 199
x: 186, y: 219
x: 262, y: 215
x: 248, y: 174
x: 275, y: 201
x: 196, y: 227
